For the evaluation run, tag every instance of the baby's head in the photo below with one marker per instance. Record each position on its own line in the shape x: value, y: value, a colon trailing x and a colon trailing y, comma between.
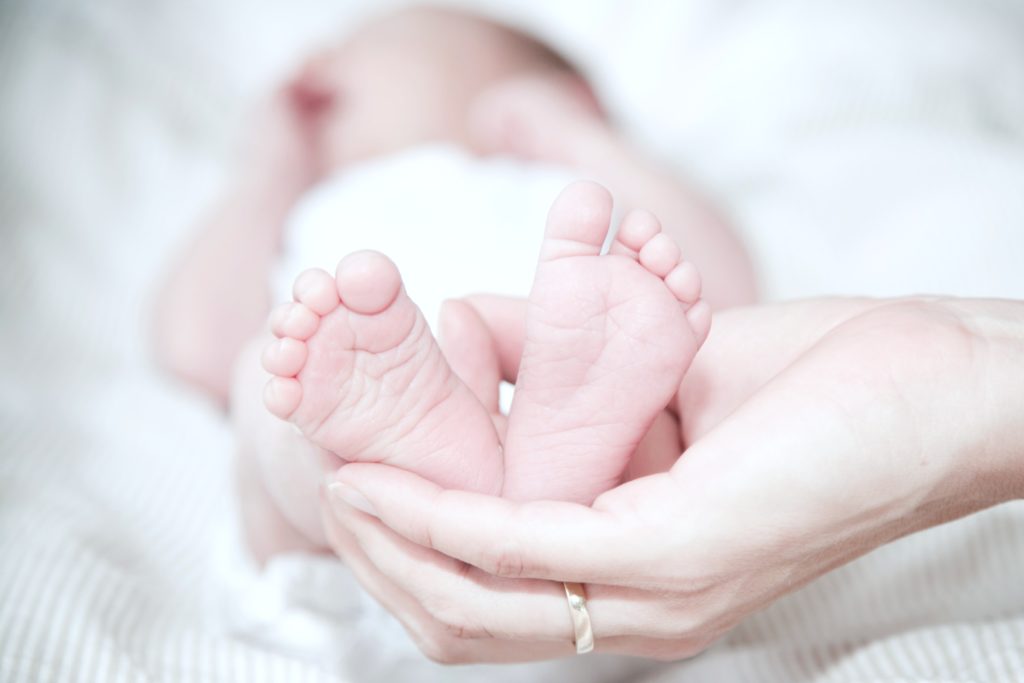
x: 412, y: 77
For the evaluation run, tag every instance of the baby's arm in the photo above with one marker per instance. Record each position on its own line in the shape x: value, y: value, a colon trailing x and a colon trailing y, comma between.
x: 217, y: 295
x: 557, y: 119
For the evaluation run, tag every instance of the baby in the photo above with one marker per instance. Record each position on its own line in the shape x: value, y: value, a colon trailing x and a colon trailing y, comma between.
x: 353, y: 372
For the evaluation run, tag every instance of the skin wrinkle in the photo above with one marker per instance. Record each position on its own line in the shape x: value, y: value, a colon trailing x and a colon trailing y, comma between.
x: 432, y: 448
x: 354, y: 348
x: 450, y: 614
x: 569, y: 438
x: 412, y: 417
x: 426, y: 450
x: 503, y: 557
x: 381, y: 367
x: 426, y: 366
x: 471, y: 610
x: 591, y: 375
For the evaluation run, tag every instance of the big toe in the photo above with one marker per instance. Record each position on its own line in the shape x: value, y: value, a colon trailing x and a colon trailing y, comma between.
x: 368, y: 282
x: 578, y: 221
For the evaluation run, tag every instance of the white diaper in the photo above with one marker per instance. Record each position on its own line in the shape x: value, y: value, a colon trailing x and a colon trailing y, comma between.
x: 454, y: 224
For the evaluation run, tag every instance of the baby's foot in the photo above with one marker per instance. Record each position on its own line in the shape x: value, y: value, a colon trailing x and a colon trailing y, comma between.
x: 358, y: 372
x: 608, y: 340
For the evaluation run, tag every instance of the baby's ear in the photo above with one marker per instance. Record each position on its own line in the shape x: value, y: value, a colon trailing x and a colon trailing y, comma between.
x: 585, y: 95
x: 312, y: 85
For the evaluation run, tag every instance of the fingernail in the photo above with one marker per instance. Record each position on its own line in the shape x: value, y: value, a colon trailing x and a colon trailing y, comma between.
x: 349, y: 496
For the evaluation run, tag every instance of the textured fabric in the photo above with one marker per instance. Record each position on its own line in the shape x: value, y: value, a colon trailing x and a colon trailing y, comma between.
x: 869, y: 147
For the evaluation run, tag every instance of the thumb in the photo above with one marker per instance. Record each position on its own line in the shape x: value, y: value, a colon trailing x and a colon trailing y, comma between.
x: 468, y: 346
x: 505, y: 318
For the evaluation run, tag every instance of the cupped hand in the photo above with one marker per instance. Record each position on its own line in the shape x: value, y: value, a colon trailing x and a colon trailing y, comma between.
x: 817, y: 431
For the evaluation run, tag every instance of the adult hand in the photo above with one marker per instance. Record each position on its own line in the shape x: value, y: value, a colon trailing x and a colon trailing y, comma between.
x: 818, y: 431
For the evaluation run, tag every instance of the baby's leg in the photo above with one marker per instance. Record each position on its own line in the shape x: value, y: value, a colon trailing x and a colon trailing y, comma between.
x: 608, y: 339
x: 541, y: 118
x: 278, y: 470
x: 215, y: 298
x: 357, y: 371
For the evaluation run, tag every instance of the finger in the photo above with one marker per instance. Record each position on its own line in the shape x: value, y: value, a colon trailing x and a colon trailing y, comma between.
x: 393, y: 599
x: 438, y: 642
x: 464, y: 599
x: 506, y: 319
x: 413, y: 619
x: 467, y: 344
x: 474, y: 604
x: 542, y: 539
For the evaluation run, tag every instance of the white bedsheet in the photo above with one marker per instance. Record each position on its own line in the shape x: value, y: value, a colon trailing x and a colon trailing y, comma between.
x: 870, y: 147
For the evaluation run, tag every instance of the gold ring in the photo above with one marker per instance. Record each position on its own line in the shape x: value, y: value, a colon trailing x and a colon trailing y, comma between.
x: 582, y: 630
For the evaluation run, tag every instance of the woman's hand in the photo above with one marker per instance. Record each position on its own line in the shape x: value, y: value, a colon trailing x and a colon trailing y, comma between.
x: 819, y: 431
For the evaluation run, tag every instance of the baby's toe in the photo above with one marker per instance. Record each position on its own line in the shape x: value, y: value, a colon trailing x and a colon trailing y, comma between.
x: 316, y: 290
x: 368, y: 282
x: 660, y: 255
x: 699, y: 317
x: 293, y: 320
x: 284, y: 357
x: 684, y: 282
x: 637, y: 229
x: 282, y: 395
x: 578, y: 222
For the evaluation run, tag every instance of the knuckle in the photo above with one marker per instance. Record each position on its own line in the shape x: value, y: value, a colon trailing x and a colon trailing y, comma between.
x: 455, y: 623
x: 436, y: 652
x: 460, y: 631
x: 445, y: 651
x: 436, y: 648
x: 507, y: 563
x: 464, y: 571
x: 505, y: 560
x: 506, y: 556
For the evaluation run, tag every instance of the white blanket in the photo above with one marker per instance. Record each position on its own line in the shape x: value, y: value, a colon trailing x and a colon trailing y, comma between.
x: 870, y: 147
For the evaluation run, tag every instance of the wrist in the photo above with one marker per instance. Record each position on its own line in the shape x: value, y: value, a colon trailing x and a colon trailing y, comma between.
x: 952, y: 384
x: 995, y: 441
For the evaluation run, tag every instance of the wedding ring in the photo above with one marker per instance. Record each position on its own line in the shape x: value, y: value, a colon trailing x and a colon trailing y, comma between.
x: 582, y: 630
